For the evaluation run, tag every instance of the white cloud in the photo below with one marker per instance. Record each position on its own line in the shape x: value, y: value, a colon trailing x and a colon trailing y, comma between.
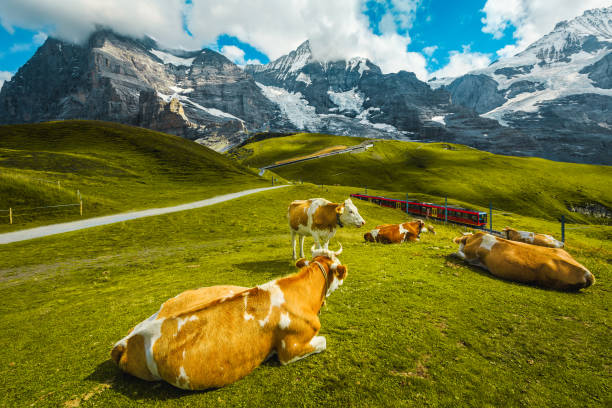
x: 233, y: 53
x: 462, y: 62
x: 337, y: 29
x: 531, y: 18
x: 430, y: 50
x: 39, y: 38
x: 5, y: 76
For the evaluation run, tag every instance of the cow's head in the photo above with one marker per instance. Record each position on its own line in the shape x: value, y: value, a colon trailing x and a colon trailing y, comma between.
x: 428, y: 228
x: 507, y: 231
x: 336, y: 272
x: 348, y: 214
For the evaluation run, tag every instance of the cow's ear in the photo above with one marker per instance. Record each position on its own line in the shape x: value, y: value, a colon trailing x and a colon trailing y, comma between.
x: 340, y: 209
x: 341, y: 271
x: 302, y: 262
x: 461, y: 240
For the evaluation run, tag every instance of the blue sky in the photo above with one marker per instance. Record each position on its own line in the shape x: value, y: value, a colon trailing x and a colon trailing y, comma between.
x: 427, y: 37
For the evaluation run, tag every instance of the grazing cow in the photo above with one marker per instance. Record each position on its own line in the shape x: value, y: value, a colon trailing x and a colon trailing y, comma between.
x: 396, y: 233
x: 320, y: 218
x: 549, y: 267
x: 211, y: 337
x: 531, y: 238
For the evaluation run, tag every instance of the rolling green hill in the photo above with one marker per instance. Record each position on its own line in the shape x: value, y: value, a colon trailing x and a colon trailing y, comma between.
x: 114, y: 167
x: 529, y: 186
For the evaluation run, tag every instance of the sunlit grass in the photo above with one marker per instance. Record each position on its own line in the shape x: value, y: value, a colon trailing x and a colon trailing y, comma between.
x: 411, y: 326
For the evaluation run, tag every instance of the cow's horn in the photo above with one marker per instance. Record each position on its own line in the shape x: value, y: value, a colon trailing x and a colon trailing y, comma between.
x: 338, y: 252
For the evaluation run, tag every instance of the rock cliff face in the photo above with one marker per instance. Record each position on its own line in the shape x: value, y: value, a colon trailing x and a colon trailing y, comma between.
x: 200, y: 95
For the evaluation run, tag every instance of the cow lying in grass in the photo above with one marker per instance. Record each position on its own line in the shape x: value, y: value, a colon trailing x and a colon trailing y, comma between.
x: 213, y: 336
x: 516, y: 261
x: 320, y: 218
x: 531, y: 238
x: 396, y: 233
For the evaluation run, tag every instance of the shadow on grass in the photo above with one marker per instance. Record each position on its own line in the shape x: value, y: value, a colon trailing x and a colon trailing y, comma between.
x: 279, y: 267
x: 135, y: 388
x: 139, y: 390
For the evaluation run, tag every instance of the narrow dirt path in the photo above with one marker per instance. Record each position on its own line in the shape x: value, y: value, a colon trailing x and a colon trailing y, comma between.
x: 38, y: 232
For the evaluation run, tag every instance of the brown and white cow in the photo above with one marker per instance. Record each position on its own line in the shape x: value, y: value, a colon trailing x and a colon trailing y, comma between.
x: 396, y: 233
x: 518, y: 261
x: 531, y: 238
x: 320, y: 218
x: 213, y: 336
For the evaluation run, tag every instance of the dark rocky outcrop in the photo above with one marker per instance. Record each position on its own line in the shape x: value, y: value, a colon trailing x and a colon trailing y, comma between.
x: 478, y: 92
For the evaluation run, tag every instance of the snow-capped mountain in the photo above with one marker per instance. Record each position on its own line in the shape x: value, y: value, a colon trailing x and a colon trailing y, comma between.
x: 559, y: 89
x: 350, y: 97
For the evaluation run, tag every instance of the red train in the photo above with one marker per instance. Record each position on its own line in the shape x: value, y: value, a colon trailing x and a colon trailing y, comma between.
x: 457, y: 215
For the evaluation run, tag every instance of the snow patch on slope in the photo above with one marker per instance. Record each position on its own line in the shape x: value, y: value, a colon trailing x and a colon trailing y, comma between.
x: 172, y: 59
x: 293, y: 105
x: 211, y: 111
x: 304, y: 78
x: 351, y: 100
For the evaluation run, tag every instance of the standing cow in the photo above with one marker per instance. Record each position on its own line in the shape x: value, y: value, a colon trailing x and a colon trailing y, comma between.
x: 531, y: 238
x: 320, y: 218
x: 395, y: 233
x: 516, y: 261
x: 213, y: 336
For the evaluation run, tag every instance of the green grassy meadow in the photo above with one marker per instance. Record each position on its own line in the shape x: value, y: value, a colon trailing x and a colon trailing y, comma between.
x: 536, y: 187
x: 115, y: 168
x: 411, y: 326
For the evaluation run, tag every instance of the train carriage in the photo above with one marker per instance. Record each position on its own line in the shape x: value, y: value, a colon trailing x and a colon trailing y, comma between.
x: 457, y: 215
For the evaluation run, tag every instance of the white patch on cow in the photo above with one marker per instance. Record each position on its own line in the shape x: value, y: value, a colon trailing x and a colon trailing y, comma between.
x: 228, y: 296
x: 277, y: 298
x: 181, y: 322
x: 460, y: 253
x: 182, y: 379
x: 283, y: 344
x: 150, y: 330
x: 183, y: 354
x: 488, y: 241
x: 527, y: 236
x: 424, y: 229
x: 319, y: 343
x: 374, y: 233
x: 284, y: 321
x: 247, y: 316
x: 351, y: 214
x: 336, y: 283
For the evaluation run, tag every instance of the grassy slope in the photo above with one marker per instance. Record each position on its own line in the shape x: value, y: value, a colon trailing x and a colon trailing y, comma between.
x: 115, y: 168
x: 533, y: 186
x: 270, y: 151
x: 409, y: 327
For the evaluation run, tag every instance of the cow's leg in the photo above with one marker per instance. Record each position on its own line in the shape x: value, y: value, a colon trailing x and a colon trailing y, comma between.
x: 294, y: 347
x: 293, y: 244
x: 302, y: 238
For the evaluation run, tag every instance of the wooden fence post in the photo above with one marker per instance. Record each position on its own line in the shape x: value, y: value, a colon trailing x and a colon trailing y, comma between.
x: 10, y: 215
x: 563, y: 229
x: 81, y: 208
